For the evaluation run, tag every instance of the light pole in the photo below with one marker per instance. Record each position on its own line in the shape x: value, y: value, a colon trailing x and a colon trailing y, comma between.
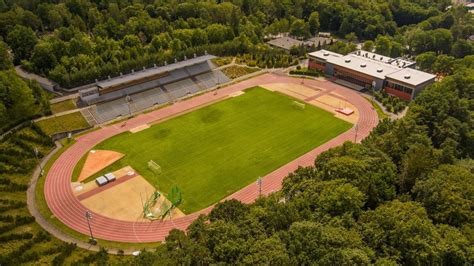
x: 38, y: 161
x: 88, y: 217
x: 259, y: 183
x: 128, y: 99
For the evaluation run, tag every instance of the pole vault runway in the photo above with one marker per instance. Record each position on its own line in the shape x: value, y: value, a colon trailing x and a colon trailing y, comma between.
x: 69, y: 210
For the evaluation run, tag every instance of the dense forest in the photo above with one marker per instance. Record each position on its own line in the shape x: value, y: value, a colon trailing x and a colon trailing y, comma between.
x: 75, y: 42
x: 405, y: 195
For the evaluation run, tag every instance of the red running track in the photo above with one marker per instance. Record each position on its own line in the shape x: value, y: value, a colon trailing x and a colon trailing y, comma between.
x: 69, y: 210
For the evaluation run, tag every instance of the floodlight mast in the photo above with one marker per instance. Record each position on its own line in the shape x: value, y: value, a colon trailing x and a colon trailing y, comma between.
x: 88, y: 215
x: 259, y: 183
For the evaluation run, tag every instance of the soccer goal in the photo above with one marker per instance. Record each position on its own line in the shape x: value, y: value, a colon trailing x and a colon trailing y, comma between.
x: 299, y: 105
x: 154, y: 167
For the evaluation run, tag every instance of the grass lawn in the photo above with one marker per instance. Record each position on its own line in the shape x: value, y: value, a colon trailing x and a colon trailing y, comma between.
x: 63, y: 106
x: 221, y: 61
x: 380, y: 113
x: 217, y: 150
x: 63, y: 123
x: 238, y: 71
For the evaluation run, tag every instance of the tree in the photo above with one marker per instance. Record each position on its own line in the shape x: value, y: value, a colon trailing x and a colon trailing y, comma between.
x: 334, y: 198
x: 448, y: 195
x: 16, y: 99
x: 426, y: 60
x: 268, y: 251
x: 313, y: 22
x: 368, y: 46
x: 383, y: 45
x: 313, y: 243
x: 299, y: 28
x: 368, y: 169
x: 5, y: 59
x: 21, y: 40
x: 418, y: 161
x: 218, y: 33
x: 43, y: 58
x: 442, y: 40
x: 402, y: 231
x: 229, y: 210
x: 461, y: 48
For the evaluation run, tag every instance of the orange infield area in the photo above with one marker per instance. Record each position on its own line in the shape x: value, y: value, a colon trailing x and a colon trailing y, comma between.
x: 97, y: 160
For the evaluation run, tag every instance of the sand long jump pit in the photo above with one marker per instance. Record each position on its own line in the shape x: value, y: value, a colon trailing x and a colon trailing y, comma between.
x: 123, y: 199
x: 298, y: 91
x: 329, y: 101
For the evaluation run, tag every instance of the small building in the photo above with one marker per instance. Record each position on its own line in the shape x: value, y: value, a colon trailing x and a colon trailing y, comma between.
x: 361, y: 70
x: 101, y: 181
x: 287, y: 43
x: 110, y: 177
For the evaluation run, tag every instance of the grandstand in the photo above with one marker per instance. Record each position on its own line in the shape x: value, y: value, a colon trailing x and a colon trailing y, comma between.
x: 149, y: 87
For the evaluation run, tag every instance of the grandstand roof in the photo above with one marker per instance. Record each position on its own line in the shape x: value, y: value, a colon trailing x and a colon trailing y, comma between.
x: 153, y: 71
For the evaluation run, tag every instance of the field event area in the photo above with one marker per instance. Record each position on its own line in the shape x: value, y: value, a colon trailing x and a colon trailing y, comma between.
x: 217, y: 150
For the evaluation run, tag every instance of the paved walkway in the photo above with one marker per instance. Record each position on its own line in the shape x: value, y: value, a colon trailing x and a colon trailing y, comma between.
x: 69, y: 210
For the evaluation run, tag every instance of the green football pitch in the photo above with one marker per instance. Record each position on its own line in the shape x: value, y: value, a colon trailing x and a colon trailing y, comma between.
x: 218, y: 149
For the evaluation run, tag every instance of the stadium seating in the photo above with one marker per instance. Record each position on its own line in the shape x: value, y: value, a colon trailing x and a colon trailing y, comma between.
x: 212, y: 79
x: 181, y: 88
x: 177, y: 84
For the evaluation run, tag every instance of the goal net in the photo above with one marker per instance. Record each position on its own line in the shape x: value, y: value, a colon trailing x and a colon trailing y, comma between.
x: 154, y: 167
x: 298, y: 105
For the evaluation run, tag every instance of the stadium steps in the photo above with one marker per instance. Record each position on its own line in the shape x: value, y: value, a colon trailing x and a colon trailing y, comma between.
x: 86, y: 113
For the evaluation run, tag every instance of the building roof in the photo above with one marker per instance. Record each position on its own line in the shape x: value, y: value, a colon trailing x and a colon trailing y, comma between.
x: 286, y: 42
x: 377, y: 69
x: 411, y: 76
x: 324, y: 54
x: 398, y: 62
x: 153, y: 71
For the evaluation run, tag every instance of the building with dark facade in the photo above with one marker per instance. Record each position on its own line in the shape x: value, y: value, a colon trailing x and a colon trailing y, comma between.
x: 361, y: 70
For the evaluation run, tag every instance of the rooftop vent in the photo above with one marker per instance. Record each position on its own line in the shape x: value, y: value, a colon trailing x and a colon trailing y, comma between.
x: 381, y: 58
x: 373, y: 56
x: 407, y: 76
x: 363, y: 65
x: 133, y: 71
x: 379, y: 70
x: 109, y: 77
x: 347, y: 60
x: 326, y: 54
